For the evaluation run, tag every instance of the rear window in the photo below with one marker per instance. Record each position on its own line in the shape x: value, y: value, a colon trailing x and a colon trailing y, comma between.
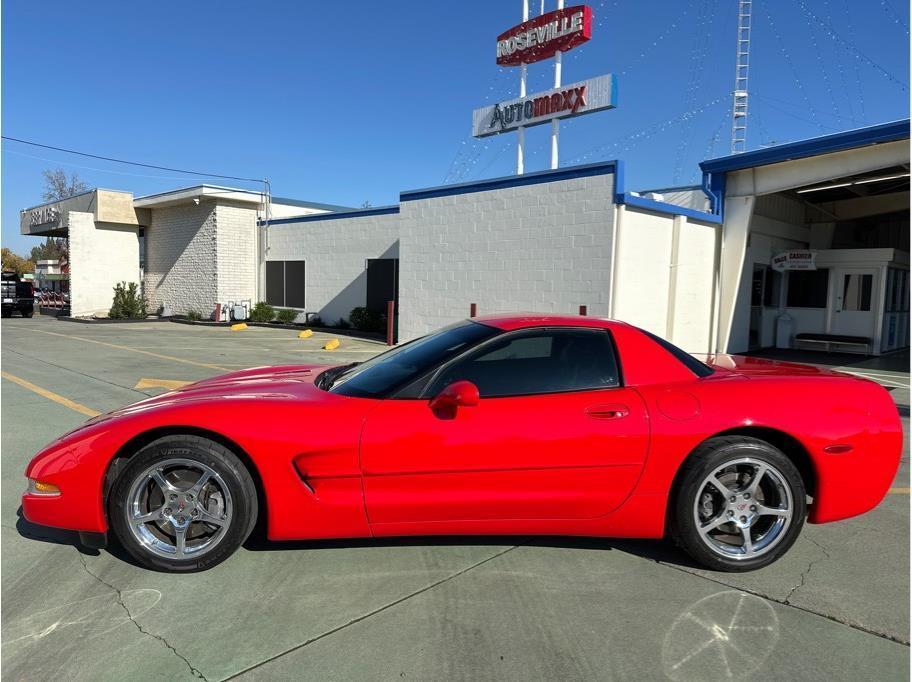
x: 688, y: 360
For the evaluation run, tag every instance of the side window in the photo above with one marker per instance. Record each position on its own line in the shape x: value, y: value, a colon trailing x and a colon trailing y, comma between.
x: 543, y: 361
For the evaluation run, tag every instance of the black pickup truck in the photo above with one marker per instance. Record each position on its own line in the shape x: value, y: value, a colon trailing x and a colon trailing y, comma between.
x: 16, y: 294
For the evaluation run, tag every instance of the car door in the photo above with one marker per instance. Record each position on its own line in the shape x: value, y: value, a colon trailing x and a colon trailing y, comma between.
x: 554, y: 435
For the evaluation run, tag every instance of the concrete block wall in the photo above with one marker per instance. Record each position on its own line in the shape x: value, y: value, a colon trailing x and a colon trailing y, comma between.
x: 335, y: 251
x: 236, y: 245
x: 181, y: 258
x: 101, y: 255
x: 542, y: 247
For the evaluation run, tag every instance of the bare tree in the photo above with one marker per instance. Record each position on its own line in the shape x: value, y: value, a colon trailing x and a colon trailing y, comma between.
x: 58, y: 185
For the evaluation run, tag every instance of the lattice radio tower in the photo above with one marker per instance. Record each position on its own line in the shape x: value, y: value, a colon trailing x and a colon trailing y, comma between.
x: 739, y: 96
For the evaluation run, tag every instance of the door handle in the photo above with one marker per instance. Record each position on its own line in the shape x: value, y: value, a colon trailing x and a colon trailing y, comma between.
x: 607, y: 411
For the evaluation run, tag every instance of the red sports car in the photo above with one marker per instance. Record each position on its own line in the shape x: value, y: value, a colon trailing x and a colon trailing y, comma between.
x: 496, y: 425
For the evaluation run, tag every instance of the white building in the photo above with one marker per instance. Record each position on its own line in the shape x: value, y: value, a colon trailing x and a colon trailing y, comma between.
x: 691, y: 264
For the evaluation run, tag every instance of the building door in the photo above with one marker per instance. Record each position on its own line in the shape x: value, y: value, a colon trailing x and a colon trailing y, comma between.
x: 383, y: 286
x: 758, y: 287
x: 853, y: 311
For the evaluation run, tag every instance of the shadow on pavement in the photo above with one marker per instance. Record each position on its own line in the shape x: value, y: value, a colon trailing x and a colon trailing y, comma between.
x: 57, y: 536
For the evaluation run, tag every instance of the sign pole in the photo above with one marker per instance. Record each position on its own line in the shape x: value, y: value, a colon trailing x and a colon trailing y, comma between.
x: 555, y: 124
x: 521, y: 132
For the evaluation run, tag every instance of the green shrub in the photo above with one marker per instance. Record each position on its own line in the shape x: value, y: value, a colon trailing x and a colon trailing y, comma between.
x: 286, y: 316
x: 262, y: 312
x: 194, y: 316
x: 366, y: 320
x: 343, y: 323
x: 128, y: 303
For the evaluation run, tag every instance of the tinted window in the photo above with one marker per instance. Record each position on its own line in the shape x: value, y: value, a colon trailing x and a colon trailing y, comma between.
x: 807, y: 288
x: 544, y: 361
x: 685, y: 358
x: 380, y: 376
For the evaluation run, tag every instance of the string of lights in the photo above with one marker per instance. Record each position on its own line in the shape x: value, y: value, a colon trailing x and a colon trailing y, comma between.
x: 788, y: 60
x: 851, y: 46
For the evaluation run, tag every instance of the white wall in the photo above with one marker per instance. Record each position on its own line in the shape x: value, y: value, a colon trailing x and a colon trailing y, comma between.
x: 101, y: 255
x: 665, y: 276
x: 236, y: 246
x: 542, y: 247
x: 335, y: 252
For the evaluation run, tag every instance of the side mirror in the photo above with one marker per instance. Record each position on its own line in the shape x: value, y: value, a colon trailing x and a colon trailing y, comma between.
x: 458, y: 394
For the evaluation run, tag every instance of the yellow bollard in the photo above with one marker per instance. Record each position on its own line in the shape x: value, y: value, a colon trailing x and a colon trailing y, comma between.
x: 239, y: 327
x: 306, y: 334
x: 331, y: 345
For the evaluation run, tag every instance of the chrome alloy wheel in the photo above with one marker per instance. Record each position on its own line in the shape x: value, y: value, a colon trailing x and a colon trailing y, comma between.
x: 743, y: 508
x: 179, y: 508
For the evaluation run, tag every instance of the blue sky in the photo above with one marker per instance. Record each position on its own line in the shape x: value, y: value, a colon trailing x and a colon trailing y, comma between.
x: 351, y: 102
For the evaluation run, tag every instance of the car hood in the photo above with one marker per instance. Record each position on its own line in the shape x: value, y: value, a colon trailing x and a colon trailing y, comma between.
x: 286, y: 382
x: 749, y: 366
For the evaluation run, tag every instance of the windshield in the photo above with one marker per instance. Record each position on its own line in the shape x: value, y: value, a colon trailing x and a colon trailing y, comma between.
x: 381, y: 375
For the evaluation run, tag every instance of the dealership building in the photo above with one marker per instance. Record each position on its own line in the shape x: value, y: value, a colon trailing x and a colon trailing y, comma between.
x: 805, y: 242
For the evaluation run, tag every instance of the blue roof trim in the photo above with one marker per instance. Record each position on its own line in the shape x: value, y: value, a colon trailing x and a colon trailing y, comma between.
x: 715, y: 201
x: 360, y: 213
x: 538, y: 177
x: 860, y: 137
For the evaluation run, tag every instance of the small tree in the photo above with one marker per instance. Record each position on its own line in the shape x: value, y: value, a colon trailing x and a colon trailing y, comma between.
x: 128, y: 302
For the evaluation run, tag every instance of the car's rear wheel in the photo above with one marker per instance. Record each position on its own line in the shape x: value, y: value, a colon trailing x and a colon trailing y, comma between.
x: 182, y: 503
x: 740, y: 504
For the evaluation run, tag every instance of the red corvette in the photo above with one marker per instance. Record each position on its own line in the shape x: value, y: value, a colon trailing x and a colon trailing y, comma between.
x: 498, y: 425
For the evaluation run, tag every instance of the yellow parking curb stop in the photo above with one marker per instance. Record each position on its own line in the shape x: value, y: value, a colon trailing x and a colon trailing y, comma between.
x: 239, y: 327
x: 332, y: 345
x: 306, y: 334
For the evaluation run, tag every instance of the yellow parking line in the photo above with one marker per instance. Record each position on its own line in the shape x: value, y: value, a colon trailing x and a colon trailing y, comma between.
x: 898, y: 491
x: 132, y: 350
x: 50, y: 395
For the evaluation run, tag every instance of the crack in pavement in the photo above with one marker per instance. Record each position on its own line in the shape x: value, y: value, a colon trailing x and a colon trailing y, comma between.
x: 806, y: 572
x: 369, y: 614
x: 193, y: 671
x: 782, y: 602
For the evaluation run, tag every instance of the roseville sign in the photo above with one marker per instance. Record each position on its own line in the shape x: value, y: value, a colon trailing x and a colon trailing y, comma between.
x: 585, y: 97
x: 541, y: 38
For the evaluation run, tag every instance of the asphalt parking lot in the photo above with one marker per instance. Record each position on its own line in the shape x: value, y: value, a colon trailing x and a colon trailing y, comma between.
x: 836, y: 607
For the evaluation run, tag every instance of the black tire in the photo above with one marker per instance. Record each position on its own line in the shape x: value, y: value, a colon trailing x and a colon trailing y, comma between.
x: 233, y: 474
x: 6, y: 313
x: 708, y: 459
x: 27, y: 312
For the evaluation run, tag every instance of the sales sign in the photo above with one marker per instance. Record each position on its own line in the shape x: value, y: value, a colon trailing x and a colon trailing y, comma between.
x: 541, y: 38
x: 800, y: 259
x: 585, y: 97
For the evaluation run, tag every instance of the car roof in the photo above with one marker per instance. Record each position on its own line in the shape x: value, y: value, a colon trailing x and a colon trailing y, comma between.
x: 512, y: 321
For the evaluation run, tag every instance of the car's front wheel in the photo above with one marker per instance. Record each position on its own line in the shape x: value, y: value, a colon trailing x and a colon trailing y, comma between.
x: 182, y: 503
x: 740, y: 504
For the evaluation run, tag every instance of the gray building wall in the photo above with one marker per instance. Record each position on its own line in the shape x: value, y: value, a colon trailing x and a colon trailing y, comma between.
x: 543, y: 247
x: 335, y: 252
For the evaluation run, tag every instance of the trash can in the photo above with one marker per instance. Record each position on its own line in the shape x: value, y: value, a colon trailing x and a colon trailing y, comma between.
x: 784, y: 331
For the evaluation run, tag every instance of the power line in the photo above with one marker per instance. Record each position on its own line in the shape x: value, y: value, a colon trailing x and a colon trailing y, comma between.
x: 130, y: 163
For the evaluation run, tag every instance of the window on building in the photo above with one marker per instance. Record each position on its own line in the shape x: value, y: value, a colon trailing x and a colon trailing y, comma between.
x: 808, y: 288
x: 856, y: 291
x: 285, y: 283
x: 547, y: 361
x: 772, y: 288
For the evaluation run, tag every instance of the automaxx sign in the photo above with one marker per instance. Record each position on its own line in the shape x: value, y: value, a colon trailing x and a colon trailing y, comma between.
x: 584, y: 97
